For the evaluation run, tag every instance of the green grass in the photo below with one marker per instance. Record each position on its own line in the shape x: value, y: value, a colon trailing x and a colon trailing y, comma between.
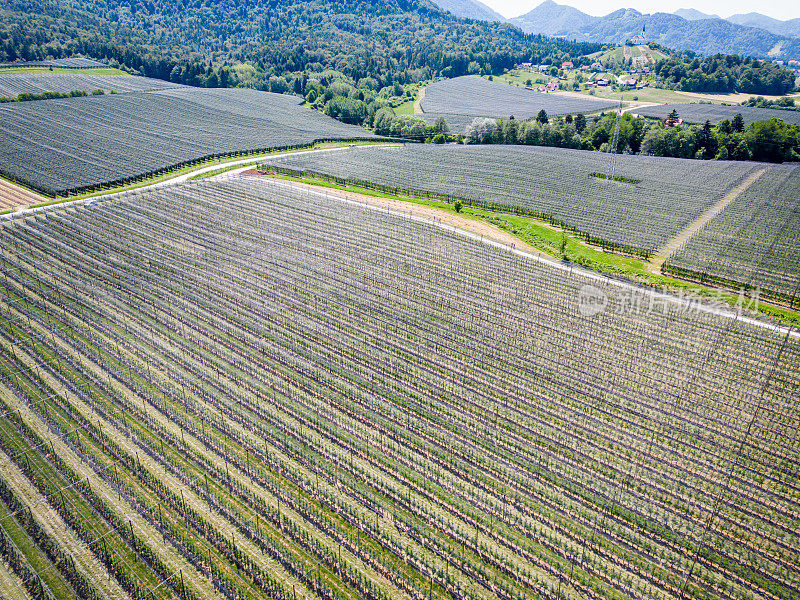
x: 613, y: 57
x: 170, y: 451
x: 547, y: 239
x: 647, y: 94
x: 406, y: 108
x: 49, y: 478
x: 520, y: 78
x: 45, y: 70
x: 185, y: 464
x: 49, y: 575
x: 66, y: 422
x: 208, y: 174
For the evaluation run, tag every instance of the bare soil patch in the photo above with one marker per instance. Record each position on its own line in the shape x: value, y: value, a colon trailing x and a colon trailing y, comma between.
x: 14, y: 196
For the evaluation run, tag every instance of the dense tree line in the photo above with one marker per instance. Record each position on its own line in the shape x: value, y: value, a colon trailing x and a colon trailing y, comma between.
x: 206, y: 42
x: 780, y: 103
x: 772, y: 140
x: 28, y: 96
x: 723, y: 73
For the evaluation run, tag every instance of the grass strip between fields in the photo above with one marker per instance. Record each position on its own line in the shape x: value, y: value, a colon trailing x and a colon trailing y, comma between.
x: 49, y: 481
x: 50, y: 576
x: 233, y: 503
x: 566, y: 246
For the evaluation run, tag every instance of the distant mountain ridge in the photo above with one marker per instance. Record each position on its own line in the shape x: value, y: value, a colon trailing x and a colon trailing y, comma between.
x: 705, y: 34
x: 790, y: 28
x: 550, y: 18
x: 470, y: 9
x: 692, y: 14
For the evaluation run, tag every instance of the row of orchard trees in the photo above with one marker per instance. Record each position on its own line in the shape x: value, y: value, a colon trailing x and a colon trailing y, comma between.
x: 771, y: 140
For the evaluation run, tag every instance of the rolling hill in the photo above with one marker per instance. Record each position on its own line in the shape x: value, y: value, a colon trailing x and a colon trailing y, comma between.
x: 382, y: 39
x: 790, y: 28
x: 550, y: 18
x: 692, y: 14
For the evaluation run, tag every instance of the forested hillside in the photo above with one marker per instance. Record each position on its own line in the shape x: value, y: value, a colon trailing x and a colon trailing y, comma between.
x: 724, y: 73
x: 196, y: 42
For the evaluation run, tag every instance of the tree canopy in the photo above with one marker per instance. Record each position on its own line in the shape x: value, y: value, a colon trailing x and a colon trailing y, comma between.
x: 723, y: 73
x: 199, y: 42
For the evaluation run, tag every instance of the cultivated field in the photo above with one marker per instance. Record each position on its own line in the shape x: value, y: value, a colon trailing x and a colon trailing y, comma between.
x: 700, y: 113
x: 77, y: 62
x: 547, y: 182
x: 479, y: 97
x: 242, y: 390
x: 14, y: 84
x: 78, y: 143
x: 755, y: 241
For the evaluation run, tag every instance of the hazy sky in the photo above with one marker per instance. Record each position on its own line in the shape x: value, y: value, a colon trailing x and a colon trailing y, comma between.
x: 779, y: 9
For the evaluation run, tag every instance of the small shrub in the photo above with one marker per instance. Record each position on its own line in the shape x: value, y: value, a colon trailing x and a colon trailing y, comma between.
x: 619, y: 178
x: 458, y: 206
